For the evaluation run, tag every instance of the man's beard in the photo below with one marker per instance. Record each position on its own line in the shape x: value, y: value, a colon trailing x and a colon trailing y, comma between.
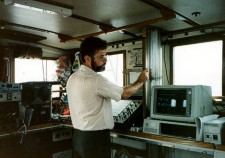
x: 97, y: 68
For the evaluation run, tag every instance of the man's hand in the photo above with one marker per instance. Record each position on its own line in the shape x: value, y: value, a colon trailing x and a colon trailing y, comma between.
x: 143, y: 76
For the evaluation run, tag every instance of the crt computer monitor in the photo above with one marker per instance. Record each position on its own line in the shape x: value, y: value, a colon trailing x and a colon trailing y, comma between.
x: 182, y: 103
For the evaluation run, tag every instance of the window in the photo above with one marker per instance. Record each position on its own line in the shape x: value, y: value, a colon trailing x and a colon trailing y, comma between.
x: 199, y: 64
x: 114, y: 68
x: 27, y: 70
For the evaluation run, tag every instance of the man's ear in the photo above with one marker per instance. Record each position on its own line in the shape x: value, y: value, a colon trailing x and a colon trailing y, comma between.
x: 87, y: 60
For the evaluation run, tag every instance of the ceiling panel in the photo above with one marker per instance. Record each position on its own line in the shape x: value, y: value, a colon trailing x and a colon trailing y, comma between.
x: 211, y: 10
x: 103, y: 18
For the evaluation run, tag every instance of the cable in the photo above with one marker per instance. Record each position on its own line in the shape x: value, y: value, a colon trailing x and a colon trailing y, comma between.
x: 24, y: 132
x: 216, y: 104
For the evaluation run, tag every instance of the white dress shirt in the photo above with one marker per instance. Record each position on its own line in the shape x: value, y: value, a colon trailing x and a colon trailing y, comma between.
x: 89, y: 97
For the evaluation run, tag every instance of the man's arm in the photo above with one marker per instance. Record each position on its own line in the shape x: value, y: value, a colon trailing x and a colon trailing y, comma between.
x: 131, y: 89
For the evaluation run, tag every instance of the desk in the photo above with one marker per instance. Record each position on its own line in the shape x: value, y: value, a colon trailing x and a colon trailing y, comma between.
x: 152, y: 139
x: 36, y: 142
x: 189, y: 145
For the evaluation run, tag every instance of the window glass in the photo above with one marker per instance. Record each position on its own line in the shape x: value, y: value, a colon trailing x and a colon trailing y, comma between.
x: 114, y: 69
x: 199, y: 64
x: 27, y: 70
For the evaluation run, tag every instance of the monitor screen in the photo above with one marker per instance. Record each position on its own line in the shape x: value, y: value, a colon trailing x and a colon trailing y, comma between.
x: 171, y: 102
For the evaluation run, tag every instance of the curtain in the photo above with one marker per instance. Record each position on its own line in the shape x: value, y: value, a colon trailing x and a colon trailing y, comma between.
x: 153, y: 59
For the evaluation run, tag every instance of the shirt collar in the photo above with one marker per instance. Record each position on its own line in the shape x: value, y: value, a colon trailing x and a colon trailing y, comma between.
x: 87, y: 69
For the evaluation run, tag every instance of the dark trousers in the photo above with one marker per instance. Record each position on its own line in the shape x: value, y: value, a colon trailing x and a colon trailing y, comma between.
x: 91, y: 144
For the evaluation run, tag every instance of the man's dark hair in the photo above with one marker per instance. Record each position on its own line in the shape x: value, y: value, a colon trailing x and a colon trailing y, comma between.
x: 90, y: 46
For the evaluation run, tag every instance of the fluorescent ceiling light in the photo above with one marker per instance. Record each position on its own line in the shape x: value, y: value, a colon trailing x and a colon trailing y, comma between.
x: 40, y: 6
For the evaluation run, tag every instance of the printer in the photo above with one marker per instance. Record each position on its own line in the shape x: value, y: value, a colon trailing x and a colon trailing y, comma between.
x: 214, y: 131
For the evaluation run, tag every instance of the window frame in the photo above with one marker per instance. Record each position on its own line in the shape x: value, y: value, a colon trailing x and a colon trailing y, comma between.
x: 196, y: 40
x: 14, y: 69
x: 123, y: 52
